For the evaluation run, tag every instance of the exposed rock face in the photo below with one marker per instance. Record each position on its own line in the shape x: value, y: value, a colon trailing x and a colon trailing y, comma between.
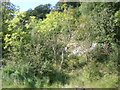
x: 77, y: 49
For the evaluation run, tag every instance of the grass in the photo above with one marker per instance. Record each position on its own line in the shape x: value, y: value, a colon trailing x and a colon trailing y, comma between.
x: 74, y: 83
x: 76, y: 80
x: 0, y: 79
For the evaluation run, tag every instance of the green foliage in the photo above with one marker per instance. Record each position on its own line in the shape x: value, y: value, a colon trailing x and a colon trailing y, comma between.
x: 117, y: 14
x: 36, y: 49
x: 60, y: 6
x: 8, y: 12
x: 117, y: 21
x: 40, y: 11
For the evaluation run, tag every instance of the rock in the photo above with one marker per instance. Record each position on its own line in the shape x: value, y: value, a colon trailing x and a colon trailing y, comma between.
x: 77, y: 49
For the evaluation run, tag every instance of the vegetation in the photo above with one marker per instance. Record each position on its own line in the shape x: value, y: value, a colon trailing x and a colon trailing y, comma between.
x: 40, y: 11
x: 39, y: 47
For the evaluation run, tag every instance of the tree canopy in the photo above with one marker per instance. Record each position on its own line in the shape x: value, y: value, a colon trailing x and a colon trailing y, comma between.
x: 40, y: 11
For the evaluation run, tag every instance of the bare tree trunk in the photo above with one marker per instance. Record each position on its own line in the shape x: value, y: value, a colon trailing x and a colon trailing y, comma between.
x: 55, y: 53
x: 106, y: 48
x: 62, y: 56
x: 54, y: 48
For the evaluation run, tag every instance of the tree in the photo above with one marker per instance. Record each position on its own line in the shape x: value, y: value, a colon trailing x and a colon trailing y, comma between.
x: 102, y: 29
x: 98, y: 18
x: 40, y: 11
x: 117, y: 21
x: 8, y: 12
x: 60, y: 5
